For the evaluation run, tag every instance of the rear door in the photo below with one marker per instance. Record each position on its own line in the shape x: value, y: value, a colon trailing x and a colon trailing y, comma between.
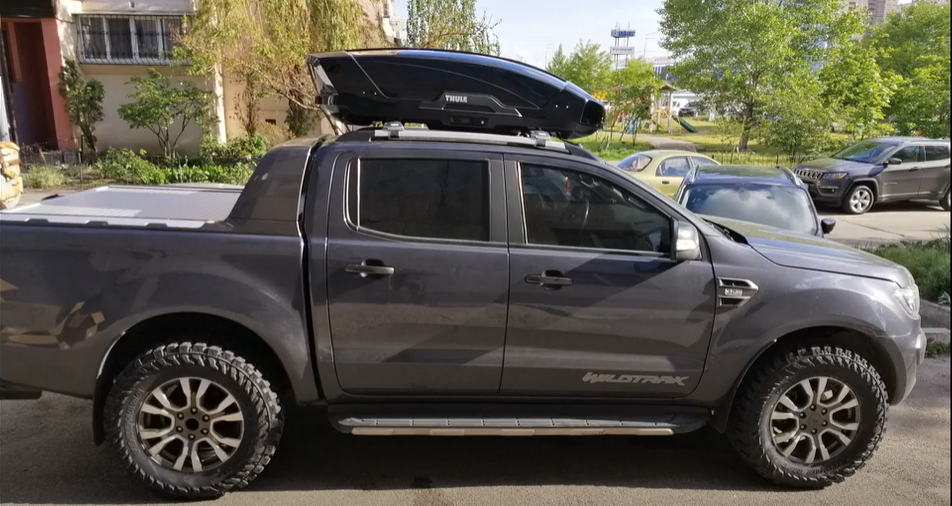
x: 671, y: 173
x: 597, y: 307
x: 904, y: 179
x: 418, y: 272
x: 935, y: 171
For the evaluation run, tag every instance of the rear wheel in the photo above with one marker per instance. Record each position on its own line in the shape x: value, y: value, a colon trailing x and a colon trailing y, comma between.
x: 810, y: 417
x: 859, y: 200
x: 193, y: 420
x: 947, y: 201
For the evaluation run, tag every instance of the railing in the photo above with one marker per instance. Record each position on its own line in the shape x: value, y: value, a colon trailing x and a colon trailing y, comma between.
x: 127, y: 40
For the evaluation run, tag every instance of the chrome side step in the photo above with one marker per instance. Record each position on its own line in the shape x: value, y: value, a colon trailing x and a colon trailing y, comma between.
x: 507, y: 420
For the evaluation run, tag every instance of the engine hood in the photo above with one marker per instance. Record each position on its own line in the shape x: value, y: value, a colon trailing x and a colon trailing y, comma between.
x: 799, y: 251
x: 836, y: 165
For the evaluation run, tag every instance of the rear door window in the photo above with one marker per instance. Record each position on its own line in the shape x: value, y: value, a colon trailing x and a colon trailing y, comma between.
x: 937, y: 153
x: 674, y: 167
x: 701, y: 161
x: 432, y: 199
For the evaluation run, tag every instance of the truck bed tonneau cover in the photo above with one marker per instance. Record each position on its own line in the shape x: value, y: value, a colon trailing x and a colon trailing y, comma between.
x: 185, y: 206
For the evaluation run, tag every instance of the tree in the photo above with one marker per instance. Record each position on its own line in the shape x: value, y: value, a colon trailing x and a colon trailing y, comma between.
x: 914, y: 44
x: 246, y: 108
x: 158, y: 106
x: 737, y: 52
x: 270, y: 39
x: 450, y: 24
x: 588, y: 67
x: 855, y: 89
x: 798, y: 118
x: 630, y: 93
x: 83, y: 104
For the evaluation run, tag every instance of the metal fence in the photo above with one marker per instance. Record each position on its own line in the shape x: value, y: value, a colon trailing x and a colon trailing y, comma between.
x: 127, y: 40
x: 746, y: 158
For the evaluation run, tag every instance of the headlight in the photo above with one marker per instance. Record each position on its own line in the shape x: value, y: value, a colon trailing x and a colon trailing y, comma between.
x: 835, y: 175
x: 909, y: 300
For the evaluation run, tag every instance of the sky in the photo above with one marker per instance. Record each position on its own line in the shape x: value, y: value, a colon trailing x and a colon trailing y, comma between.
x: 531, y: 30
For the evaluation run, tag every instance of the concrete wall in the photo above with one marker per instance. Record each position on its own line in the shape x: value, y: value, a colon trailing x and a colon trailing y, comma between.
x: 113, y: 132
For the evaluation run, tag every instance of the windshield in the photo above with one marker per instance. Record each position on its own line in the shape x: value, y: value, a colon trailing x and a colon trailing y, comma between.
x: 636, y: 163
x: 775, y: 206
x: 865, y: 152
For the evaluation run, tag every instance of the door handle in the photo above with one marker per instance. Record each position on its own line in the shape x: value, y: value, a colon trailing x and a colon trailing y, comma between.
x: 549, y: 278
x: 366, y: 269
x: 666, y: 182
x: 915, y: 169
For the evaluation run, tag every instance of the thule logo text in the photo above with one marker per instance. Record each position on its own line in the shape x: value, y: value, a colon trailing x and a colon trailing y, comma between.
x: 457, y: 99
x: 593, y: 378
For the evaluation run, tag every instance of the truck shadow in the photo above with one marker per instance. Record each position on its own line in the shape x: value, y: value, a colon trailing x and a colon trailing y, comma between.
x: 701, y: 460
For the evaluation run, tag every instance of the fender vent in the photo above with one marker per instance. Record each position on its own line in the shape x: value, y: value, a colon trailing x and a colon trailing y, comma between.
x: 733, y: 292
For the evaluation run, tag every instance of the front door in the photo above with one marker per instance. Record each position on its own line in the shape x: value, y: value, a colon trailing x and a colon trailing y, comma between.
x: 935, y: 172
x: 670, y: 174
x: 418, y: 273
x: 903, y: 179
x: 597, y: 307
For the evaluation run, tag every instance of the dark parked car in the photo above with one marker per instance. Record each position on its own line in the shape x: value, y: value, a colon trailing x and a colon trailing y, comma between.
x: 690, y: 109
x: 450, y: 281
x: 881, y: 170
x: 769, y: 196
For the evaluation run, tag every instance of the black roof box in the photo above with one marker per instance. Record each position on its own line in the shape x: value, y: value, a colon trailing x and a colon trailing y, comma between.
x: 447, y: 90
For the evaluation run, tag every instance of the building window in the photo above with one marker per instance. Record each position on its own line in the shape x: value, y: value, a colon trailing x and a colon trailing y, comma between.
x: 135, y: 40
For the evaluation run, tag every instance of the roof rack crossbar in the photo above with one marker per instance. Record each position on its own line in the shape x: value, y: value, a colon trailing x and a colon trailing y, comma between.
x: 542, y: 140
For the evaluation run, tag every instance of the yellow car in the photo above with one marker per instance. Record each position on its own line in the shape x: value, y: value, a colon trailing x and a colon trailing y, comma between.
x: 663, y: 169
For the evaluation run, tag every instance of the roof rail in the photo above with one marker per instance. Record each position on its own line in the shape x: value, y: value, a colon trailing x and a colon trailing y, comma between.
x: 395, y: 131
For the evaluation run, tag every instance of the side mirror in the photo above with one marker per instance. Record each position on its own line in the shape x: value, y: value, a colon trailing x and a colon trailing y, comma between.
x: 894, y: 161
x: 827, y: 225
x: 686, y: 245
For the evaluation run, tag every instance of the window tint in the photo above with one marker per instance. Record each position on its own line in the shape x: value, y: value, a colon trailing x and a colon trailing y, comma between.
x: 674, y: 167
x: 567, y: 208
x: 937, y: 153
x: 908, y: 154
x: 435, y: 199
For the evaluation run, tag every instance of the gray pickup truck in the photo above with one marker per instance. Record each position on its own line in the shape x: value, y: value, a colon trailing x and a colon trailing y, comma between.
x: 445, y: 282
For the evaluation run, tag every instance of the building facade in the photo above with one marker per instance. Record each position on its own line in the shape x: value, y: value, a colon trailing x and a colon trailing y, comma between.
x: 115, y: 40
x: 877, y: 9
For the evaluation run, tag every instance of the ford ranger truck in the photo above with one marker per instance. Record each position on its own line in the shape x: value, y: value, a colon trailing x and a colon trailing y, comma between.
x: 483, y: 276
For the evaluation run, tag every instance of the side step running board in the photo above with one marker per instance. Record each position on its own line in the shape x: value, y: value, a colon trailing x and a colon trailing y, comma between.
x: 430, y: 421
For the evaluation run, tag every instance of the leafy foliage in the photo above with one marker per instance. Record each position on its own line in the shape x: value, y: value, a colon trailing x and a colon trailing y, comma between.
x: 44, y: 177
x: 237, y: 149
x: 268, y: 40
x: 737, y: 53
x: 798, y: 120
x: 450, y: 24
x: 299, y: 120
x: 158, y: 106
x: 125, y: 166
x: 928, y: 263
x: 914, y: 44
x: 630, y: 93
x: 83, y: 104
x: 588, y: 67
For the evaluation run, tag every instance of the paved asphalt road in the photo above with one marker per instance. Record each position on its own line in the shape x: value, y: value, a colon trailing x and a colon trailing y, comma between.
x: 47, y: 457
x: 885, y: 223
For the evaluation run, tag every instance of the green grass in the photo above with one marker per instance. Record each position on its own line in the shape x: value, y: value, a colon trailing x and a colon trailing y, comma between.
x: 619, y: 148
x: 928, y: 262
x: 43, y: 177
x: 936, y: 349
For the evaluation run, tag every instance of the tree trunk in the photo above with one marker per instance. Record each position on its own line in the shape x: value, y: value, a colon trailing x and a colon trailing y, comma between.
x: 748, y: 126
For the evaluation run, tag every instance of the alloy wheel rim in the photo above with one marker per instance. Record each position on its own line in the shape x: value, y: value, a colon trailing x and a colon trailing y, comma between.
x: 815, y: 420
x: 190, y: 425
x: 861, y: 200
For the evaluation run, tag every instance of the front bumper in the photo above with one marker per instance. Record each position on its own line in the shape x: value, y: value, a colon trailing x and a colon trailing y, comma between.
x: 829, y: 191
x: 907, y: 354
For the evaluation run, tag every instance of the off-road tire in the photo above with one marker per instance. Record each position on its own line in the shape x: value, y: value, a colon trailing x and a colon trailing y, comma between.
x: 945, y: 203
x: 263, y: 417
x: 847, y: 206
x: 749, y: 427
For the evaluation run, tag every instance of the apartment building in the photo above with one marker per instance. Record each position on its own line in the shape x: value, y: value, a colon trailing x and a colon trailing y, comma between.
x: 114, y: 40
x: 877, y: 9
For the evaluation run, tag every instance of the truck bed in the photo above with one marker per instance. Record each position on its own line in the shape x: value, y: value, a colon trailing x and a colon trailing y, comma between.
x: 174, y: 206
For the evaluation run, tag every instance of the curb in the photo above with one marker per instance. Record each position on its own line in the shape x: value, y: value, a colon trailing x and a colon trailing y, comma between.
x: 938, y: 315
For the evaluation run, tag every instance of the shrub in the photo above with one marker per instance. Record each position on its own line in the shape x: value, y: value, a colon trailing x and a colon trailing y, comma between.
x: 44, y: 177
x: 124, y: 166
x: 188, y: 174
x: 928, y: 263
x: 236, y: 149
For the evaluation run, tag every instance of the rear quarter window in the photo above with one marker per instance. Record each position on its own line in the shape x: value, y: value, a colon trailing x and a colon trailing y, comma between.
x: 937, y: 153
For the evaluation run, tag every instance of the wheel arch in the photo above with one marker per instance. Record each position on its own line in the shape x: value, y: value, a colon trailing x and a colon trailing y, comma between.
x: 171, y: 327
x: 845, y: 337
x: 873, y: 184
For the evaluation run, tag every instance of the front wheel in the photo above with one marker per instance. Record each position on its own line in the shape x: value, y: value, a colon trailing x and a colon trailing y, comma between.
x: 810, y: 417
x: 859, y: 200
x: 193, y: 420
x: 947, y: 201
